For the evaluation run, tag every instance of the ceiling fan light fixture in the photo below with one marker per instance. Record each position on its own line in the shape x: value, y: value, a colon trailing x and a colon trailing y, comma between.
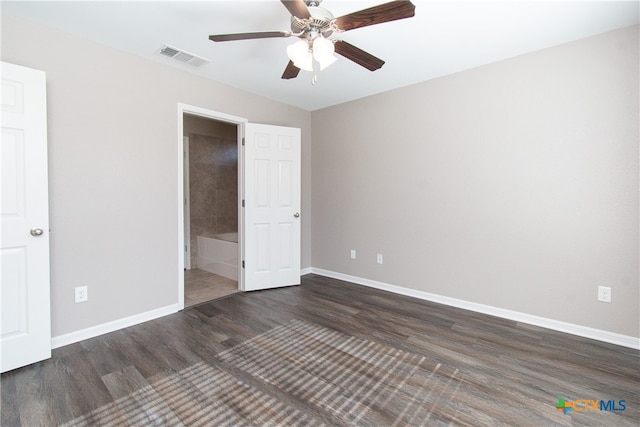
x: 314, y: 24
x: 305, y: 64
x: 300, y: 54
x: 323, y: 50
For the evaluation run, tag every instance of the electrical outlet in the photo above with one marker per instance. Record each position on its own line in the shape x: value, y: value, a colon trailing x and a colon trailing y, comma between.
x: 353, y: 254
x: 604, y: 293
x: 379, y: 259
x: 82, y: 294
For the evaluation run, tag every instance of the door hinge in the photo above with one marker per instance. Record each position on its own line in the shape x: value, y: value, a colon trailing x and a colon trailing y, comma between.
x: 243, y: 203
x: 243, y: 141
x: 185, y: 248
x: 242, y: 263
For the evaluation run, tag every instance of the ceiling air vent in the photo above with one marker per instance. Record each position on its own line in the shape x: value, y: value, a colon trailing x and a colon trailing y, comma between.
x: 182, y: 56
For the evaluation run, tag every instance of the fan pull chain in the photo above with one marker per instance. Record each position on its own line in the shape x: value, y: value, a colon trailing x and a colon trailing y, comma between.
x: 314, y: 72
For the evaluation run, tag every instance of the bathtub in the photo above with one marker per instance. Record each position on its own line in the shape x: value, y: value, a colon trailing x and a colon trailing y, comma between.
x: 219, y: 254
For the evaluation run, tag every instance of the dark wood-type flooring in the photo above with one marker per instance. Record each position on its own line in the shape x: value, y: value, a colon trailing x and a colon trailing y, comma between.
x: 511, y: 373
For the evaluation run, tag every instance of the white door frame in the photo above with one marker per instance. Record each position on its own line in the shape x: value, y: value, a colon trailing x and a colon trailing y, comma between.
x: 222, y: 117
x: 187, y: 205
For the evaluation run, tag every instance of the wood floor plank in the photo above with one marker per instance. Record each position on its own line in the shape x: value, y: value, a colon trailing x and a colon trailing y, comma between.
x: 106, y: 353
x: 10, y: 414
x: 32, y: 400
x: 50, y: 392
x: 124, y: 381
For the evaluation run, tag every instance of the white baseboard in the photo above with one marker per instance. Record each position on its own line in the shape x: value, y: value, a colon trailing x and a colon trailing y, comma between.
x: 305, y: 271
x: 569, y: 328
x: 105, y: 328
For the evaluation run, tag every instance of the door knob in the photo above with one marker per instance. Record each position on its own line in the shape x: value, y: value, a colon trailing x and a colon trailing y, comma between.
x: 296, y: 215
x: 37, y: 231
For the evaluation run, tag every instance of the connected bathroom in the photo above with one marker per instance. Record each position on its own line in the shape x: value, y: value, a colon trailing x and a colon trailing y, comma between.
x: 211, y: 209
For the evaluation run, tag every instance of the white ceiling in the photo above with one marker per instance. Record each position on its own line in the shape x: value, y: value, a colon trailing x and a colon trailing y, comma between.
x: 443, y: 38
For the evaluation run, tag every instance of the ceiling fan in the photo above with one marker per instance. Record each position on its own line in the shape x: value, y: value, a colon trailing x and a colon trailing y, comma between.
x: 313, y: 25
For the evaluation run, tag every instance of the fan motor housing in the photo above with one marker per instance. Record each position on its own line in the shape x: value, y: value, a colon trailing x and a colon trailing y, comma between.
x: 320, y: 21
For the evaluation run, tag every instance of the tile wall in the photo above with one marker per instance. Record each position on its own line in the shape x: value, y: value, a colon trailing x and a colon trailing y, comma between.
x: 213, y: 187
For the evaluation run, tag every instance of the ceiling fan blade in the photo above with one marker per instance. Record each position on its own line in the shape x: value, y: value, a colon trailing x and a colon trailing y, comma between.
x: 247, y: 36
x: 358, y: 56
x: 297, y: 8
x: 376, y: 15
x: 291, y: 71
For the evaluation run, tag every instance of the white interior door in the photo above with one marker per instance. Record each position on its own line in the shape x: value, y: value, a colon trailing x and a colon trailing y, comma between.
x: 25, y: 328
x: 272, y: 206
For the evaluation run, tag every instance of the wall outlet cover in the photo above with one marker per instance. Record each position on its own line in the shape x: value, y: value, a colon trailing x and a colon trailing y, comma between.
x: 604, y: 293
x: 81, y: 294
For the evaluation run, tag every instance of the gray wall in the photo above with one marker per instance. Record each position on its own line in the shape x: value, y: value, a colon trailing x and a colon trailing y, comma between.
x: 113, y: 170
x: 513, y: 185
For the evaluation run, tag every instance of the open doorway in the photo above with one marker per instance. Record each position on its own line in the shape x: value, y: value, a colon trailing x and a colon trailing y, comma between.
x: 211, y: 214
x: 211, y: 153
